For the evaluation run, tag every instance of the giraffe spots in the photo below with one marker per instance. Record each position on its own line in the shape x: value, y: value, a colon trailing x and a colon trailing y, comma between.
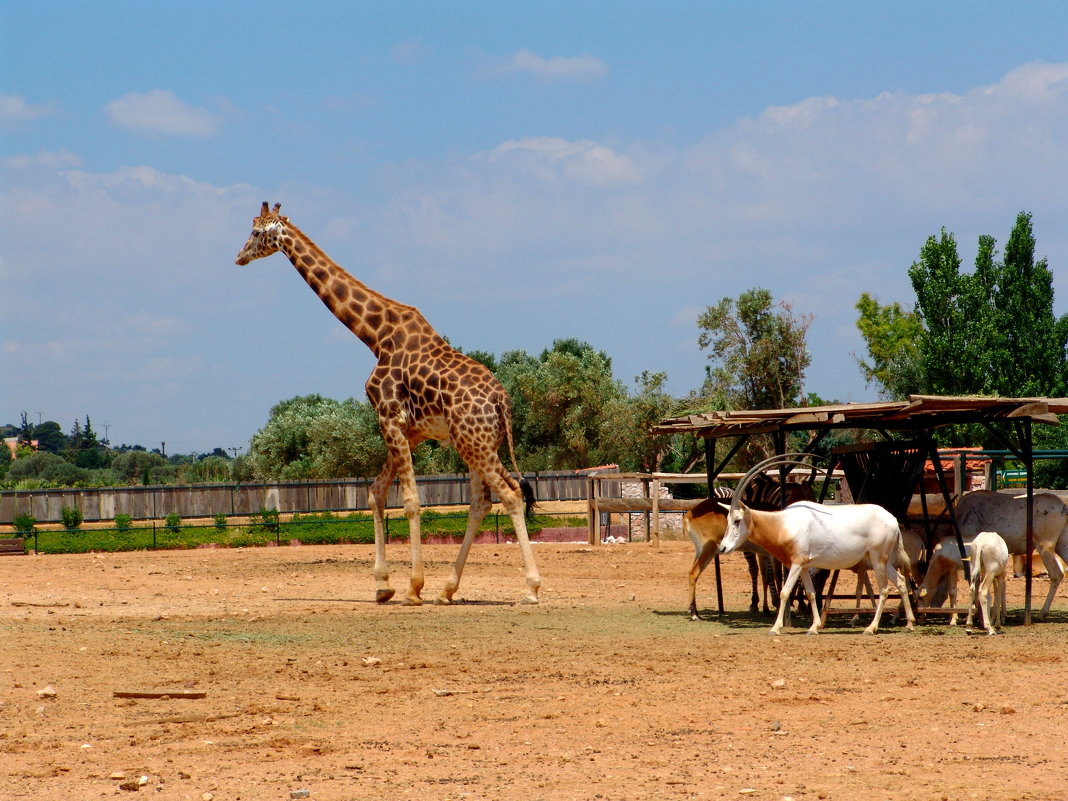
x: 373, y: 320
x: 321, y: 274
x: 340, y: 291
x: 307, y: 259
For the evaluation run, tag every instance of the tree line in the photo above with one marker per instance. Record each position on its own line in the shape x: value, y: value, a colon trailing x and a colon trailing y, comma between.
x: 45, y: 456
x: 988, y: 331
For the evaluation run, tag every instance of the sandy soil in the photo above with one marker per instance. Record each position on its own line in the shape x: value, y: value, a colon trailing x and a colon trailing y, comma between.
x: 605, y: 691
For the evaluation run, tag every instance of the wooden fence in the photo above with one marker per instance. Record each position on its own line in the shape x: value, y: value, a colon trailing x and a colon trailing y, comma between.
x: 207, y: 500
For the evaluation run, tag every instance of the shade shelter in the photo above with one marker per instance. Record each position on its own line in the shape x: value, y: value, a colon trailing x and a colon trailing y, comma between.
x: 886, y: 470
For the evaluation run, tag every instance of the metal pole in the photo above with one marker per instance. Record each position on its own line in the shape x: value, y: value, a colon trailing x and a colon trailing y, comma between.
x: 1029, y: 464
x: 710, y: 469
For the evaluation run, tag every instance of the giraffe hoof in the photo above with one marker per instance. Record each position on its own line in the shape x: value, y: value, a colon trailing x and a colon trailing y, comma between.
x: 443, y: 600
x: 529, y: 600
x: 412, y: 600
x: 381, y: 596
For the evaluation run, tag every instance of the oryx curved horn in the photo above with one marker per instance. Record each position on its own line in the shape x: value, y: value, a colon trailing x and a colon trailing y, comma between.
x: 800, y: 459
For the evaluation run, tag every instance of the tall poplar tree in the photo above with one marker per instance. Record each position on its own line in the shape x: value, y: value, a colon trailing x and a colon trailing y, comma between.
x: 991, y: 331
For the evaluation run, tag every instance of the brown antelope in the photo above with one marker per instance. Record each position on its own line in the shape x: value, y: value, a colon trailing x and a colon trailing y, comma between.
x: 707, y: 522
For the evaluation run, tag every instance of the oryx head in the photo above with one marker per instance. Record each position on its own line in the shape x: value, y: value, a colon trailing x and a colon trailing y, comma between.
x: 738, y: 514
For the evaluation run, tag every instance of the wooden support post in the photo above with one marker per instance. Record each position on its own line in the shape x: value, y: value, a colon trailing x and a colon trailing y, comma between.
x: 655, y: 533
x: 592, y: 512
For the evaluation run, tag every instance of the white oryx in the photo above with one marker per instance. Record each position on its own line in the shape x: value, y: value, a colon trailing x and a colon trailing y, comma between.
x: 984, y: 510
x: 990, y: 559
x: 812, y: 535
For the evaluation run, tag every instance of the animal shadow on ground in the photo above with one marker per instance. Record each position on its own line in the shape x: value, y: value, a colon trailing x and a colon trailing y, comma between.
x: 373, y: 602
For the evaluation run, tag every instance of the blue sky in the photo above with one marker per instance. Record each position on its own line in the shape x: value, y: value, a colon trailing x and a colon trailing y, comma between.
x: 521, y: 172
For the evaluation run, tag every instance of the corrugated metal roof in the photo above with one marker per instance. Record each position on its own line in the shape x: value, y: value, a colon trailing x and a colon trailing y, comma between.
x: 921, y: 412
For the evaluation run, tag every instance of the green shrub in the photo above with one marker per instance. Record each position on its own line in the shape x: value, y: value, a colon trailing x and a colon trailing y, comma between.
x: 24, y: 524
x: 173, y: 522
x: 123, y: 522
x: 220, y: 522
x: 266, y: 519
x: 71, y: 516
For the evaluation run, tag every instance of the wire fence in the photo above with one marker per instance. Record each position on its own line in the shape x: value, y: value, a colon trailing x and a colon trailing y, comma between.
x: 267, y: 529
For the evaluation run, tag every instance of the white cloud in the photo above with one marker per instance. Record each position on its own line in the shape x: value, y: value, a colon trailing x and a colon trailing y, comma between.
x: 161, y: 110
x: 584, y: 161
x: 15, y: 108
x: 47, y: 159
x: 557, y: 68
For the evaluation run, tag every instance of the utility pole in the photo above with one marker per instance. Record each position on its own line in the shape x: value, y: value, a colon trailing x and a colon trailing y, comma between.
x: 163, y: 449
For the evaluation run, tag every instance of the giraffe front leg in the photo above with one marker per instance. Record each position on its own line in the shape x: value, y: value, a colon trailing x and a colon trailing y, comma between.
x: 377, y: 501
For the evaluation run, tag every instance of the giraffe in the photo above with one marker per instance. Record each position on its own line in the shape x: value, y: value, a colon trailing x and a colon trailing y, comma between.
x: 421, y: 388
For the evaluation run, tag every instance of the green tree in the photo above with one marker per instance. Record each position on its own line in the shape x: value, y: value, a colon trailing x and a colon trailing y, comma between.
x: 35, y: 465
x: 206, y: 470
x: 25, y: 435
x: 626, y: 423
x: 50, y: 437
x: 1029, y: 359
x: 947, y: 353
x: 84, y: 449
x: 141, y: 467
x: 315, y: 437
x: 758, y: 349
x: 991, y: 331
x: 892, y: 336
x: 558, y: 403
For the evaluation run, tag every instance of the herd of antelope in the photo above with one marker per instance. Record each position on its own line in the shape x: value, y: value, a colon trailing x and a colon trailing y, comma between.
x: 808, y: 537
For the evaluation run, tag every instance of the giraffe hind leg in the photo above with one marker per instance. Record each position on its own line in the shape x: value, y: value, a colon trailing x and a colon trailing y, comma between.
x: 480, y: 505
x: 507, y: 489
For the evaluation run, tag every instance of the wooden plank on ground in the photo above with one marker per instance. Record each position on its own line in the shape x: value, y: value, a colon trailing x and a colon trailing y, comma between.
x: 179, y: 693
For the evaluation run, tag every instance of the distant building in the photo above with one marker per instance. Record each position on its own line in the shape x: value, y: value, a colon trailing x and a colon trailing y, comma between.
x: 13, y: 445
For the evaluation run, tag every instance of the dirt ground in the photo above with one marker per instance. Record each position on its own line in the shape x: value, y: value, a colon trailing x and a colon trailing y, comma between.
x: 604, y: 691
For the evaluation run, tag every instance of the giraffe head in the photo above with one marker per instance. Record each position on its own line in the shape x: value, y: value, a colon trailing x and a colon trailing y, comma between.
x: 266, y: 234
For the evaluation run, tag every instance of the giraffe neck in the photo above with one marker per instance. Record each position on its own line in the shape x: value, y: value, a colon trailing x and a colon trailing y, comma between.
x: 371, y: 316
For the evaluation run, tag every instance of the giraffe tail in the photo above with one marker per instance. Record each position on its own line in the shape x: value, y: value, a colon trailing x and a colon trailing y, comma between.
x: 525, y: 487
